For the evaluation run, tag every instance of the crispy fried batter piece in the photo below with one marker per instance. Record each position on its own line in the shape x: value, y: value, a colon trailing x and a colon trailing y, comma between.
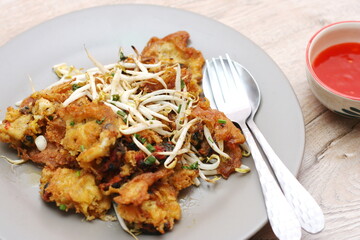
x: 56, y: 94
x: 55, y: 130
x: 173, y: 49
x: 136, y: 190
x: 158, y: 213
x: 91, y: 130
x: 53, y: 156
x: 221, y: 131
x: 149, y: 201
x: 72, y: 189
x: 226, y: 132
x: 34, y: 117
x: 26, y: 120
x: 14, y: 127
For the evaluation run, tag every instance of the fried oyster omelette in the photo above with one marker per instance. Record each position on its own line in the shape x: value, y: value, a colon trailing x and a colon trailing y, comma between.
x: 135, y: 132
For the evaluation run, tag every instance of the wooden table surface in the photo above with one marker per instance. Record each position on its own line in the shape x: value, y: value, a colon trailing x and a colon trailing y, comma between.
x: 331, y: 165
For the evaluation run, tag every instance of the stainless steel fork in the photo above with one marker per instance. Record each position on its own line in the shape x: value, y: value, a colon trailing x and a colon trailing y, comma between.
x: 229, y: 98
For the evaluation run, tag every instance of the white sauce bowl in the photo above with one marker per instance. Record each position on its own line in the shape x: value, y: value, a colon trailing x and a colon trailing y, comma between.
x: 336, y: 33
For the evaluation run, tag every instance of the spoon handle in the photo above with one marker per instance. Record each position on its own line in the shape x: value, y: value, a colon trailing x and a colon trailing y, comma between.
x: 305, y: 207
x: 281, y: 216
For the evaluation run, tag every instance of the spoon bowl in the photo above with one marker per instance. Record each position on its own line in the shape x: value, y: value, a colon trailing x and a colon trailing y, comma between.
x: 251, y: 87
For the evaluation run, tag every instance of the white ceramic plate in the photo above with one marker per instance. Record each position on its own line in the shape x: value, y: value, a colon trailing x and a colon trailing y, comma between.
x: 231, y: 209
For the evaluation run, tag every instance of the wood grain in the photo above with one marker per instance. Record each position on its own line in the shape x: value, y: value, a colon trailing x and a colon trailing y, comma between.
x: 331, y: 163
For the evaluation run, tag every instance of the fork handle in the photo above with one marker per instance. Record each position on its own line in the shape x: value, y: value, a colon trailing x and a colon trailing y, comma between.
x: 281, y: 216
x: 306, y: 209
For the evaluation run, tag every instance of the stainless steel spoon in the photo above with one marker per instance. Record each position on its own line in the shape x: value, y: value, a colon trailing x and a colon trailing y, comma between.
x: 306, y: 209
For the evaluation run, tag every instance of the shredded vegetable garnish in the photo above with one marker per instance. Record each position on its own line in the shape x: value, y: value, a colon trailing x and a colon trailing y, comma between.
x: 12, y: 161
x: 243, y: 169
x: 245, y: 150
x: 245, y: 153
x: 213, y: 144
x: 123, y: 224
x: 146, y: 110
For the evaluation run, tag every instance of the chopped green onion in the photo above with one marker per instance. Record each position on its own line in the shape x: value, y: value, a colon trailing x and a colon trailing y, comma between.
x: 138, y: 137
x: 150, y: 147
x: 182, y: 84
x: 78, y: 173
x: 75, y: 86
x: 222, y: 121
x: 122, y: 56
x: 121, y: 113
x: 72, y: 123
x: 115, y: 97
x: 82, y: 148
x: 179, y: 108
x: 150, y: 160
x: 125, y: 119
x: 62, y: 207
x: 100, y: 121
x: 193, y: 166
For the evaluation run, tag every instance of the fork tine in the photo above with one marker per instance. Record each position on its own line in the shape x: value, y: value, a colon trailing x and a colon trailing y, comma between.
x: 220, y: 77
x: 235, y: 75
x: 207, y: 86
x: 213, y: 73
x: 228, y: 79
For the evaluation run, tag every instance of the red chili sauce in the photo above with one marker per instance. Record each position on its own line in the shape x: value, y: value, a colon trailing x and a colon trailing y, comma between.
x: 338, y: 67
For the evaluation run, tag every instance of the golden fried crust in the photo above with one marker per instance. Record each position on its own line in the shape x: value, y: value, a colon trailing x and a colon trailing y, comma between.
x: 91, y: 130
x: 158, y: 213
x: 83, y: 109
x: 13, y: 131
x: 150, y: 136
x: 183, y: 178
x: 149, y: 201
x: 173, y: 49
x: 26, y: 122
x: 55, y: 130
x: 221, y: 131
x: 81, y: 136
x: 136, y: 191
x: 56, y: 94
x: 71, y: 189
x: 53, y: 156
x: 227, y: 167
x: 226, y: 132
